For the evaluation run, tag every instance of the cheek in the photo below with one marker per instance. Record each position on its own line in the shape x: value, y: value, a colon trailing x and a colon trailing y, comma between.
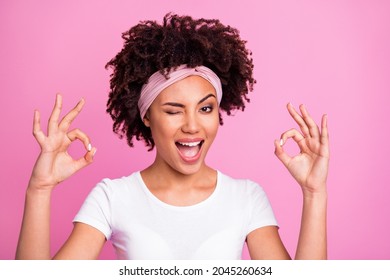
x: 212, y: 128
x: 215, y: 130
x: 162, y: 130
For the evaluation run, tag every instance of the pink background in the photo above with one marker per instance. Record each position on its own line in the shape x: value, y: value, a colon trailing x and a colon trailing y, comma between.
x: 331, y: 55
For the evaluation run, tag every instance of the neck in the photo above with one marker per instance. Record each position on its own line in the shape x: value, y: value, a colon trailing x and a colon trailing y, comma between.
x: 161, y: 175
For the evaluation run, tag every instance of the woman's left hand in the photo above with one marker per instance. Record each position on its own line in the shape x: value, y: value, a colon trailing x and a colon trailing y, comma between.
x: 310, y: 167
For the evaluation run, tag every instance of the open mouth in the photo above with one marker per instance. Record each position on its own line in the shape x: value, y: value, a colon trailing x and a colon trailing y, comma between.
x: 189, y: 150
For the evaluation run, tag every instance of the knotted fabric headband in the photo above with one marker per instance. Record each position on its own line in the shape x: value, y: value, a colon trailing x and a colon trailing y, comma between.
x: 157, y: 83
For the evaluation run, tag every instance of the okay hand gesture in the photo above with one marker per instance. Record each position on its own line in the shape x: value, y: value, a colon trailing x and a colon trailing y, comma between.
x: 310, y: 167
x: 54, y: 164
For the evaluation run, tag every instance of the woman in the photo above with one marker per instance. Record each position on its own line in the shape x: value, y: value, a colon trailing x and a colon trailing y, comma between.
x: 169, y: 84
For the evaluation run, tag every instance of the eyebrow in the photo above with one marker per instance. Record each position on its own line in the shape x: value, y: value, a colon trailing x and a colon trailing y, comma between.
x: 175, y: 104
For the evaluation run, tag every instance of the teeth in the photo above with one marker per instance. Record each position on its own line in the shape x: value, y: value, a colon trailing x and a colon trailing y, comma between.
x: 190, y: 144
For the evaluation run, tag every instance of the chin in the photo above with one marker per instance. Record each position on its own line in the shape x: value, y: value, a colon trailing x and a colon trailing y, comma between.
x: 188, y: 169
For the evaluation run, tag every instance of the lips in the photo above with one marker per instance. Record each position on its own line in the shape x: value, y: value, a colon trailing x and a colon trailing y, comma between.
x: 189, y: 150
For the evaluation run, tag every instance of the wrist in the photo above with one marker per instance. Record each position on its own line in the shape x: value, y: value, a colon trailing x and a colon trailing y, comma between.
x: 35, y: 188
x: 38, y: 198
x: 315, y: 204
x: 318, y: 192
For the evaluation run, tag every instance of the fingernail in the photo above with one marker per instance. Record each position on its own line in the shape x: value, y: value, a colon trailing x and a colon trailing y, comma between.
x: 89, y: 147
x: 94, y: 152
x: 281, y: 142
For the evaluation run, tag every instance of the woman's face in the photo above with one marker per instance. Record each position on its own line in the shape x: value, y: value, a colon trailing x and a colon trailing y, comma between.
x: 184, y: 120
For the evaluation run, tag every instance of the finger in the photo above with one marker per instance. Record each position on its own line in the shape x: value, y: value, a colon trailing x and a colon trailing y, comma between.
x: 280, y: 153
x: 90, y: 155
x: 298, y: 119
x: 55, y: 115
x: 68, y: 119
x: 313, y: 127
x: 37, y: 131
x: 80, y: 135
x: 86, y: 160
x: 296, y: 136
x: 324, y: 131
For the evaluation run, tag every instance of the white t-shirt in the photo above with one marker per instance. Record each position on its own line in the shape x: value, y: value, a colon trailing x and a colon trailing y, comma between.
x: 140, y: 226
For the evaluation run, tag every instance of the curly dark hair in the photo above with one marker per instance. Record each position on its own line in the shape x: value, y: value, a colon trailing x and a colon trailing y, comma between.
x: 150, y: 47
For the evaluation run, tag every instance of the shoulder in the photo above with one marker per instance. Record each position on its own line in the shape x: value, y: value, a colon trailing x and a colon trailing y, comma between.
x: 110, y: 187
x: 239, y: 185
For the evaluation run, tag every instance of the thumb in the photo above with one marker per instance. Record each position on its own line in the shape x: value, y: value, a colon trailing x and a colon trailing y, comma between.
x: 87, y: 159
x: 280, y: 153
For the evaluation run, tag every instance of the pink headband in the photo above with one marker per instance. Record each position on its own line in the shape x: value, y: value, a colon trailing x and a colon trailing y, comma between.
x: 157, y: 83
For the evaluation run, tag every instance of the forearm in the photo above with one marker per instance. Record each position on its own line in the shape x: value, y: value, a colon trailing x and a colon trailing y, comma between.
x: 34, y: 238
x: 312, y: 243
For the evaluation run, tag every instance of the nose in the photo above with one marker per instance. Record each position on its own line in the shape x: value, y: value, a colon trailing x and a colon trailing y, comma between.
x: 191, y: 124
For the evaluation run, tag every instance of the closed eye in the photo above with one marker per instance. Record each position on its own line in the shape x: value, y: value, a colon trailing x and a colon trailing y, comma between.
x: 173, y: 108
x: 172, y: 112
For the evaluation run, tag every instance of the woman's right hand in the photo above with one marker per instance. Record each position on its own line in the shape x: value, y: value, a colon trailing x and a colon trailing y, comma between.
x: 54, y: 163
